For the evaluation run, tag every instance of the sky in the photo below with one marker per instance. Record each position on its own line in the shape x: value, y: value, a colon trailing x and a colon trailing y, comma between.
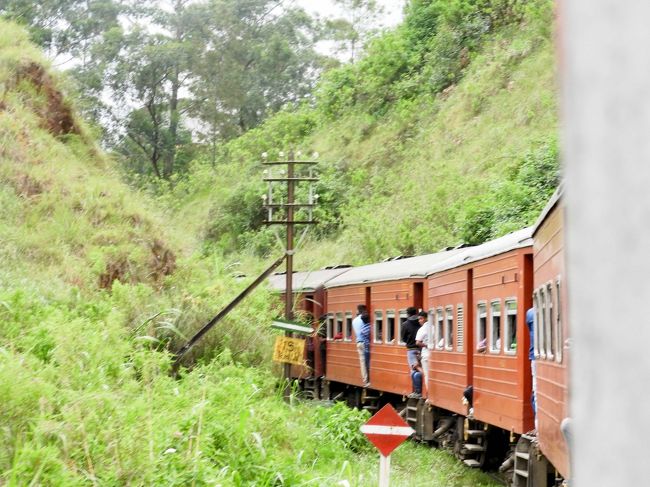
x: 392, y: 10
x: 391, y: 16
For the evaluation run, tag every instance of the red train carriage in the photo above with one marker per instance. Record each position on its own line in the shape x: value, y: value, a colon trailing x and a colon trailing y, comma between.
x: 387, y: 289
x: 479, y: 299
x: 309, y: 300
x: 551, y: 334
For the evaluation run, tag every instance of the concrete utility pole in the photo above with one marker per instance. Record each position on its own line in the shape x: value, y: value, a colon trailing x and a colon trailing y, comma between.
x: 284, y: 213
x: 605, y: 76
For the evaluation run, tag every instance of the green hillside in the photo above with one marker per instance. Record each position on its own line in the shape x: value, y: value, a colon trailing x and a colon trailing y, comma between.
x: 424, y: 143
x: 96, y: 284
x: 444, y: 132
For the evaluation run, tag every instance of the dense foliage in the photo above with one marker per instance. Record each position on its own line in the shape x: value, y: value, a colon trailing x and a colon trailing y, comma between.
x: 444, y: 132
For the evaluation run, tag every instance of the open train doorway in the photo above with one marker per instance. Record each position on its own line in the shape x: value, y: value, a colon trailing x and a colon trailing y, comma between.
x: 418, y: 295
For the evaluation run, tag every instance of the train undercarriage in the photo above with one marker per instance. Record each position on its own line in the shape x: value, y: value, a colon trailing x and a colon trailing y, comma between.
x: 515, y: 459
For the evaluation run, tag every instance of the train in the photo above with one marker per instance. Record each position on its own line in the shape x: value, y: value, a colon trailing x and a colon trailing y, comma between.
x: 477, y: 401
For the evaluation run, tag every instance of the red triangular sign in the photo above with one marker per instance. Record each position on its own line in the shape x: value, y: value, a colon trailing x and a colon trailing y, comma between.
x: 387, y: 430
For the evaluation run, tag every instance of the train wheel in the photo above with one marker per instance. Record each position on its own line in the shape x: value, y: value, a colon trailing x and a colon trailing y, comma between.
x: 532, y: 468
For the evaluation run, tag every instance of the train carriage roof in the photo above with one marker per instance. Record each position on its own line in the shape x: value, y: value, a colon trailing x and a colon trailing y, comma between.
x: 305, y: 281
x: 557, y: 196
x: 515, y: 240
x: 411, y: 267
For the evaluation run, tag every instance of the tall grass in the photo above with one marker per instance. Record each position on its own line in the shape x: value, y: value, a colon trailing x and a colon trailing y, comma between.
x: 88, y: 402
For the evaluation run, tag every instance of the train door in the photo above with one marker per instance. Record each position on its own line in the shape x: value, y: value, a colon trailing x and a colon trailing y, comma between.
x: 418, y: 295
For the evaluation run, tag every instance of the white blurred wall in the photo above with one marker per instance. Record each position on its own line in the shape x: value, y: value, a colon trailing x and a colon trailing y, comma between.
x: 605, y: 80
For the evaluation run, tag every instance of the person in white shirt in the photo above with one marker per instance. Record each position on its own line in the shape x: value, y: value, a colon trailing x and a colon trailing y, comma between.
x: 357, y: 326
x: 422, y: 340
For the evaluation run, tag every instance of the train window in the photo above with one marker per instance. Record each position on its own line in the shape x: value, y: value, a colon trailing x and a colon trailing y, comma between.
x: 330, y: 326
x: 550, y: 322
x: 348, y: 326
x: 449, y: 328
x: 339, y: 326
x: 540, y: 331
x: 379, y: 326
x: 402, y: 320
x: 558, y: 322
x: 460, y: 324
x: 438, y: 335
x: 495, y: 326
x: 481, y: 325
x: 390, y: 326
x: 511, y: 326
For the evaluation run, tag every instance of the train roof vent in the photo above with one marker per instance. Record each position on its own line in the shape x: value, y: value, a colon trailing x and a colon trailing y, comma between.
x: 337, y: 266
x: 452, y: 247
x: 397, y: 257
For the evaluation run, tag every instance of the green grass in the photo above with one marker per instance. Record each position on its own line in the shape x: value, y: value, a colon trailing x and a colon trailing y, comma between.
x: 87, y: 400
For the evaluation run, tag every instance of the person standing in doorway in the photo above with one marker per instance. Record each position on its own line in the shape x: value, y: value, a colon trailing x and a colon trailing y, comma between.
x: 422, y: 341
x: 365, y: 338
x: 530, y: 323
x: 357, y: 326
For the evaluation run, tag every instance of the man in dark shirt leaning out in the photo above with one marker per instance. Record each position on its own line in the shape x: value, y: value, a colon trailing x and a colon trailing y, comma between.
x: 409, y: 331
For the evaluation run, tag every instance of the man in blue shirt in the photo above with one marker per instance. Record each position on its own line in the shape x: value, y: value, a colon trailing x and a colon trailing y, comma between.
x: 357, y: 325
x: 530, y: 323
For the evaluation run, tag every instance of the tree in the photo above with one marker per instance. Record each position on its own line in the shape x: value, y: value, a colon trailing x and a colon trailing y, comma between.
x: 148, y: 70
x: 151, y: 79
x: 259, y: 56
x: 352, y: 30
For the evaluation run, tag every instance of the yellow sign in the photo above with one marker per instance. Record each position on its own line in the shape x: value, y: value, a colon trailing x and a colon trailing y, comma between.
x: 290, y: 350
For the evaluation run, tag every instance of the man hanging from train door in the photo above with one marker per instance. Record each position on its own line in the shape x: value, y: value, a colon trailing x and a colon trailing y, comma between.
x: 530, y: 323
x: 365, y: 339
x: 409, y: 332
x: 357, y: 325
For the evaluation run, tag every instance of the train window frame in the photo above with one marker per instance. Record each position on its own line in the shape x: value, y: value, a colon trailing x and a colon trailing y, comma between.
x: 540, y: 336
x: 493, y: 348
x: 390, y: 328
x: 559, y: 322
x: 481, y: 316
x: 402, y: 319
x: 340, y: 317
x: 449, y: 328
x: 460, y: 327
x: 379, y: 320
x: 347, y: 333
x: 550, y: 322
x: 535, y: 308
x: 330, y: 326
x: 438, y: 329
x: 510, y: 324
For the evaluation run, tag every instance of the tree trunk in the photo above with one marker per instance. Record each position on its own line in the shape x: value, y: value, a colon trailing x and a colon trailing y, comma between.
x: 173, y: 126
